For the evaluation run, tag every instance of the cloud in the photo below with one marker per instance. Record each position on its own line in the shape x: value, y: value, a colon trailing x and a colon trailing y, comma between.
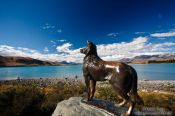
x: 162, y: 38
x: 139, y: 33
x: 73, y: 56
x: 48, y: 26
x: 121, y: 50
x: 112, y: 35
x: 53, y: 43
x: 46, y: 49
x: 64, y: 48
x: 12, y: 51
x: 51, y: 28
x: 114, y: 51
x: 166, y: 34
x: 62, y: 40
x: 56, y: 42
x: 139, y: 46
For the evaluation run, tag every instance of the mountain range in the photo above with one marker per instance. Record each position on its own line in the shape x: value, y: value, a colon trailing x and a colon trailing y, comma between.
x: 146, y: 59
x: 12, y: 61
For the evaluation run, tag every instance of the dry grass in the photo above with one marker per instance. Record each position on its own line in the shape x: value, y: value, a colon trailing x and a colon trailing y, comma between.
x: 151, y: 99
x: 155, y: 99
x: 27, y: 100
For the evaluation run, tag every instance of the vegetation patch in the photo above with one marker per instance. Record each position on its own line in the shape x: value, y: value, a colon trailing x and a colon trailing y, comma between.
x: 27, y: 100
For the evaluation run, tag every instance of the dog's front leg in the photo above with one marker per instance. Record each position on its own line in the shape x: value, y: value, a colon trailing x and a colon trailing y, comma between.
x: 92, y: 88
x: 87, y: 82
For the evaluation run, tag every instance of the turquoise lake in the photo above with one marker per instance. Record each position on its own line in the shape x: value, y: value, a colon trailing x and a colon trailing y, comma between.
x: 145, y: 71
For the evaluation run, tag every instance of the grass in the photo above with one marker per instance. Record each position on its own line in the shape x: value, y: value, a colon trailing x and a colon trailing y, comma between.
x: 18, y: 100
x: 26, y: 100
x: 165, y: 100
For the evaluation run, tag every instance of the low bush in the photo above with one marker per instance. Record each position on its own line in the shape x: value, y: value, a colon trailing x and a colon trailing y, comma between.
x: 20, y: 100
x: 25, y: 100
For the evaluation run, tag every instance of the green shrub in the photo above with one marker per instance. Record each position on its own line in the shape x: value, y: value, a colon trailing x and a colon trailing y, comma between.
x: 106, y: 93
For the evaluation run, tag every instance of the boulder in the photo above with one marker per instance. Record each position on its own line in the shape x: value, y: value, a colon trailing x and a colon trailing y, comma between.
x: 77, y: 106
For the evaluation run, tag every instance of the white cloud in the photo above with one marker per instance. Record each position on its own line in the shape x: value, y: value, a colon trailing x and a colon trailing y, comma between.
x: 112, y: 35
x: 64, y: 48
x: 26, y: 50
x: 48, y: 26
x: 51, y: 28
x: 73, y: 56
x: 61, y: 40
x: 12, y: 51
x: 162, y: 38
x: 46, y: 49
x: 6, y: 47
x: 114, y: 51
x: 139, y: 33
x: 166, y: 34
x: 53, y: 42
x: 121, y: 50
x: 139, y: 46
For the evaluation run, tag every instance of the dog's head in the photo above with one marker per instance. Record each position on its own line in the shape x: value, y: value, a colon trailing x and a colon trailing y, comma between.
x: 89, y: 49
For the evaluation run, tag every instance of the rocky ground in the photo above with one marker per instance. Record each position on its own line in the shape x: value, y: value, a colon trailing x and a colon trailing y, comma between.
x: 43, y: 82
x: 152, y: 85
x: 157, y: 85
x: 143, y: 85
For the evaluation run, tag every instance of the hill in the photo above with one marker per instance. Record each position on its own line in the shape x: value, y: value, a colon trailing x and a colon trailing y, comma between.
x: 13, y: 61
x: 146, y: 59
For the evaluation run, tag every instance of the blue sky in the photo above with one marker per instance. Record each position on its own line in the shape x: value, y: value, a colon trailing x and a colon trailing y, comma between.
x: 56, y: 29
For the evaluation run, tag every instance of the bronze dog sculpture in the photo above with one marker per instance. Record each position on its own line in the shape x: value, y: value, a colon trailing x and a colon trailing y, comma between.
x: 121, y: 76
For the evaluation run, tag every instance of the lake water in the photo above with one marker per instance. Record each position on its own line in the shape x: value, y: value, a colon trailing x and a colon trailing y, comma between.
x: 145, y: 71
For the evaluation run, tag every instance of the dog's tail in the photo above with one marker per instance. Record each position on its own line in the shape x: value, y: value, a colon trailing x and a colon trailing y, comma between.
x: 133, y: 93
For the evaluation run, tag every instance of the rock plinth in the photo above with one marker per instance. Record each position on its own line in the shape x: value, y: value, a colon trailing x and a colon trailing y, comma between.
x: 77, y: 106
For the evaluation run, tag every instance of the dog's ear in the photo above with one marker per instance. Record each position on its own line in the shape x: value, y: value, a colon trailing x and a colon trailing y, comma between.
x: 88, y: 41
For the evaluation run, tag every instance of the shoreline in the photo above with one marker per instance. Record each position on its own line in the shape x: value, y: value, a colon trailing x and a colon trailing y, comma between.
x: 143, y: 85
x: 68, y: 77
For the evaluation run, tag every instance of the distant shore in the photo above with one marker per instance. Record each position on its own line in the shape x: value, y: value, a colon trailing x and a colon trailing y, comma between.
x: 143, y: 85
x: 143, y: 62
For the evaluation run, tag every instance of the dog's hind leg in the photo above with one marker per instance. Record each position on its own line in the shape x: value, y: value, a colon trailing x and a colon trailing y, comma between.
x: 92, y: 88
x: 125, y: 98
x: 121, y: 94
x: 130, y: 110
x: 122, y: 103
